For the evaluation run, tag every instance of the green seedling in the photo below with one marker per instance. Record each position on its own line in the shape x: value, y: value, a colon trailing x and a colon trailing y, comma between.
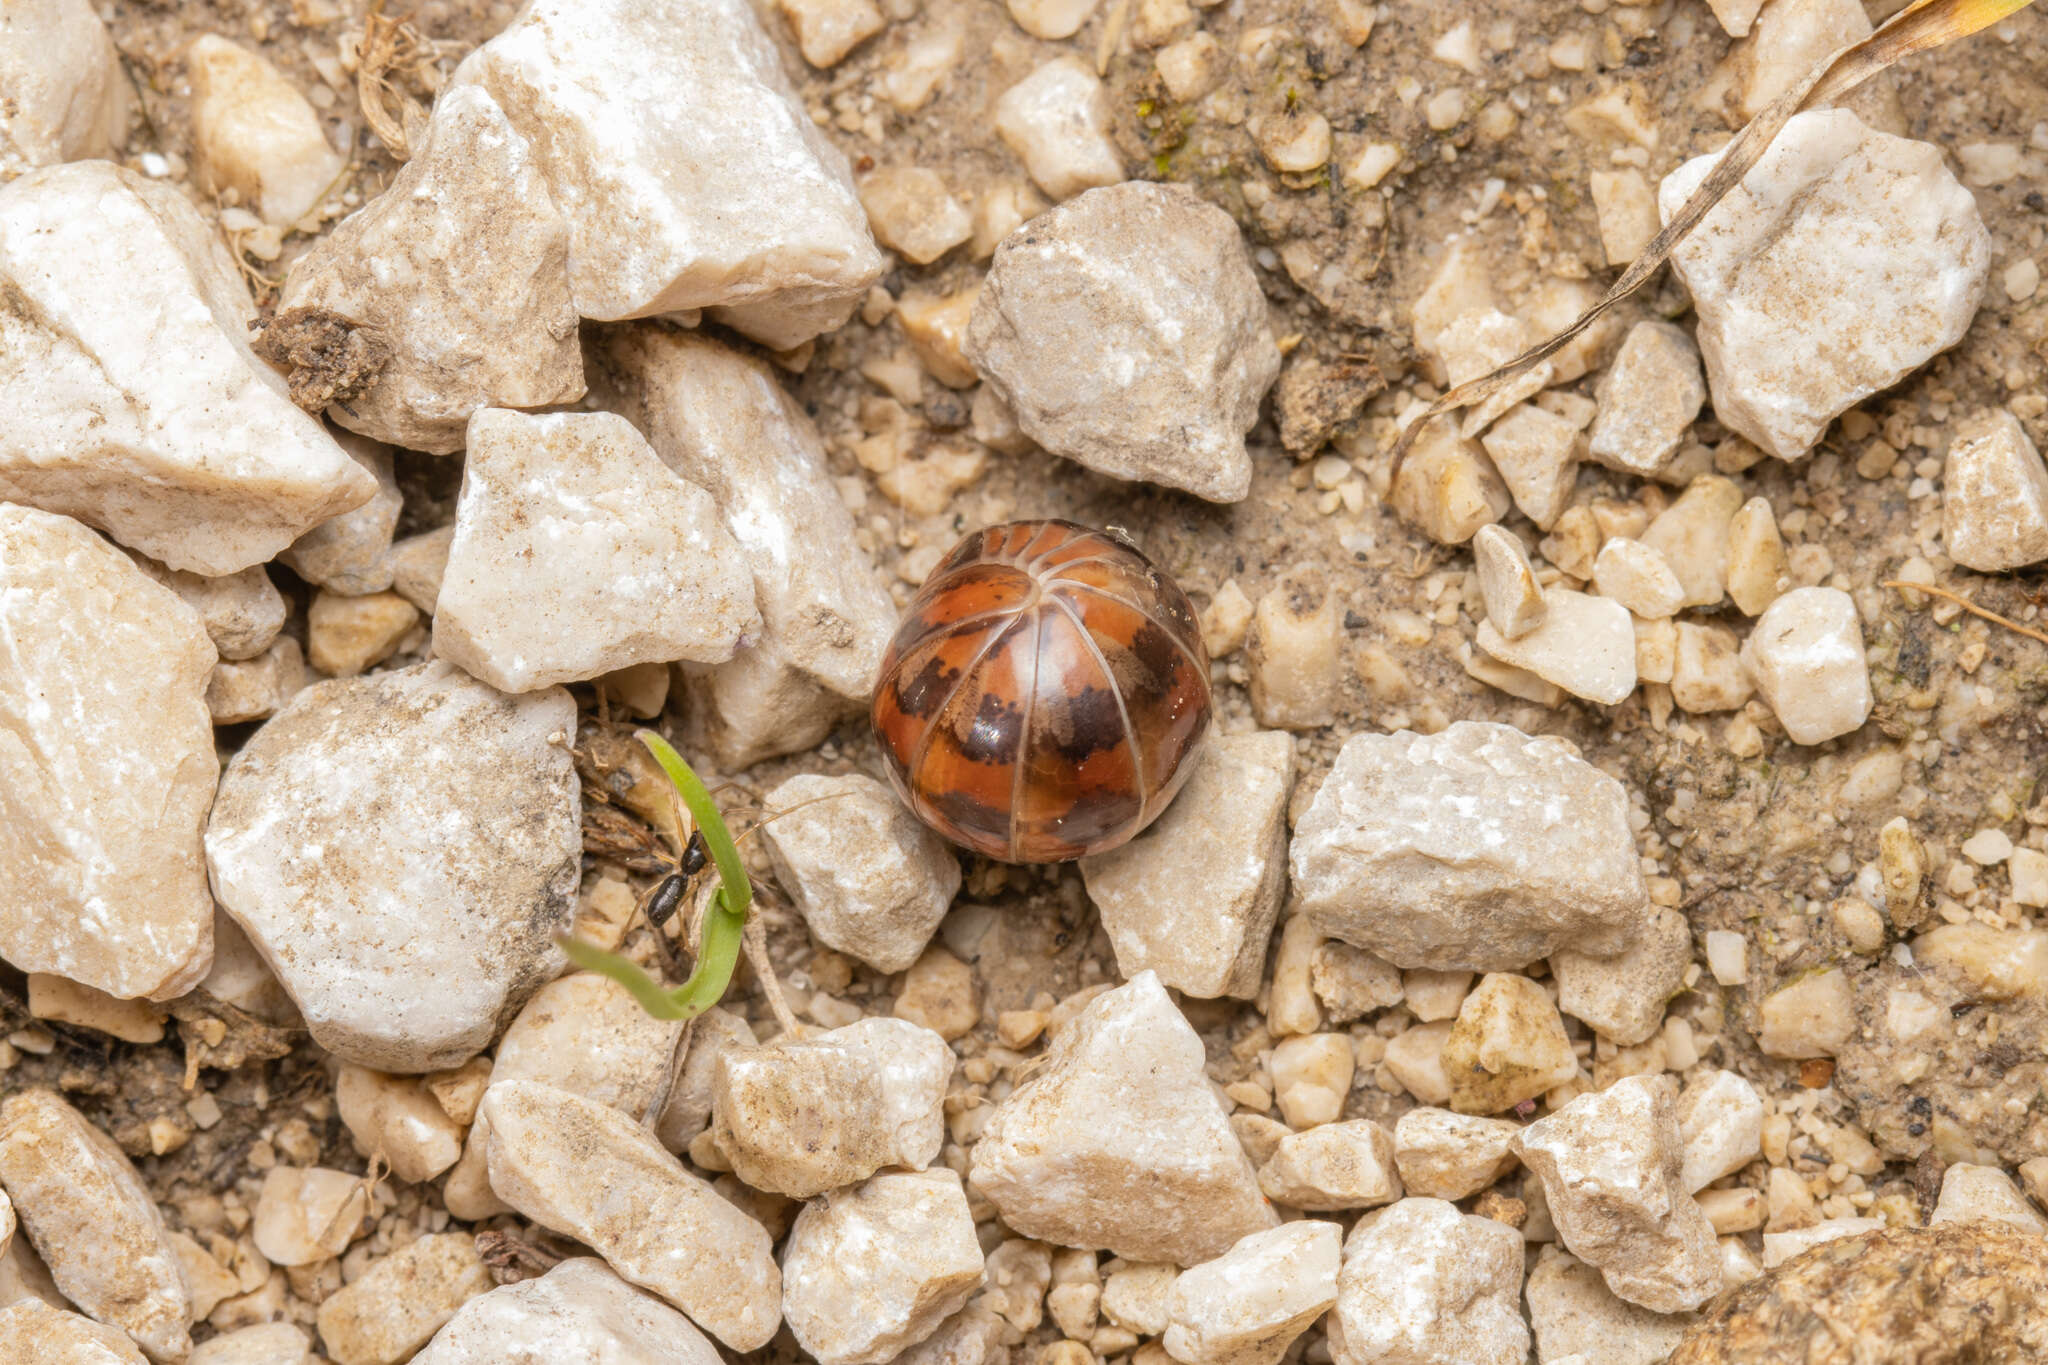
x: 725, y: 919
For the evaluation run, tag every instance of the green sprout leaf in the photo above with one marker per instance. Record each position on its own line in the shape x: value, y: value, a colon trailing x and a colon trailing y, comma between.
x: 725, y: 920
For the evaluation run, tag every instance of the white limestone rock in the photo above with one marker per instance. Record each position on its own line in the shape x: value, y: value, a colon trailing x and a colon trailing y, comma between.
x: 308, y: 1214
x: 867, y: 876
x: 67, y: 99
x: 242, y: 690
x: 1638, y: 577
x: 1806, y: 655
x: 1453, y: 851
x: 1248, y: 1305
x: 392, y: 1308
x: 1057, y: 122
x: 1971, y: 1193
x: 1611, y: 1163
x: 723, y: 422
x: 107, y: 765
x: 1845, y: 260
x: 1586, y: 645
x: 1536, y: 453
x: 1347, y: 1165
x: 870, y: 1271
x: 1448, y: 488
x: 461, y: 267
x: 578, y: 552
x: 587, y: 1171
x: 585, y: 1033
x: 1507, y: 583
x: 1648, y: 399
x: 755, y: 706
x: 911, y: 213
x: 1118, y: 1140
x: 399, y: 1118
x: 1195, y: 895
x: 1446, y: 1155
x: 89, y: 1216
x: 1780, y: 1247
x: 351, y: 553
x: 1507, y: 1046
x: 1424, y: 1284
x: 1994, y: 496
x: 1128, y: 333
x: 1691, y: 535
x: 805, y: 1115
x: 687, y: 1110
x: 418, y: 564
x: 688, y: 170
x: 579, y: 1313
x: 137, y: 404
x: 402, y: 848
x: 1720, y: 1128
x: 1621, y: 997
x: 242, y: 612
x: 268, y: 1343
x: 1575, y: 1314
x: 35, y: 1333
x: 255, y: 134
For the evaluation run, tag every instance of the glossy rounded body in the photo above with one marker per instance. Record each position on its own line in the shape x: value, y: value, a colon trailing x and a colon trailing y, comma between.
x: 1046, y: 696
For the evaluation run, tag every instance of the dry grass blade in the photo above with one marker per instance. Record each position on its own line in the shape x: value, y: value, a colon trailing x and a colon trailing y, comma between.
x: 1982, y: 613
x: 389, y: 45
x: 1920, y: 27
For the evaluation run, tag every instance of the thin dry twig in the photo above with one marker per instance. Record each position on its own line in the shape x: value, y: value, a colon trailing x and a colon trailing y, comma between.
x: 389, y: 45
x: 755, y: 939
x: 1983, y: 613
x: 1920, y: 27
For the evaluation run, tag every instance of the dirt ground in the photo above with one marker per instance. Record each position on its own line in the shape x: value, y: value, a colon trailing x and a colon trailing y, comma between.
x: 1760, y: 844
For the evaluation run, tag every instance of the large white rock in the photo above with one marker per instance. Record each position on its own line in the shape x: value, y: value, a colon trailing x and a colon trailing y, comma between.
x: 1444, y: 1155
x: 1424, y: 1284
x: 135, y: 401
x: 402, y: 848
x: 1348, y: 1165
x: 1845, y: 260
x: 805, y: 1115
x: 255, y: 135
x: 1128, y: 333
x: 577, y: 552
x: 1194, y: 896
x: 107, y: 765
x: 867, y: 876
x: 690, y: 173
x: 872, y: 1270
x: 1585, y: 644
x: 1575, y: 1313
x: 1248, y: 1305
x: 67, y: 99
x: 1720, y: 1128
x: 1612, y: 1166
x: 722, y: 421
x: 579, y: 1313
x: 34, y: 1333
x: 461, y: 268
x: 1994, y: 496
x: 1475, y: 849
x: 589, y: 1172
x: 88, y: 1214
x: 1119, y: 1141
x: 1806, y: 654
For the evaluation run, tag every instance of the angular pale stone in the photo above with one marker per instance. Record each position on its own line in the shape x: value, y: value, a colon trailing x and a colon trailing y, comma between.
x: 912, y: 214
x: 417, y: 565
x: 270, y: 1343
x: 1424, y: 1284
x: 1128, y: 333
x: 1351, y: 983
x: 1636, y: 576
x: 1692, y: 536
x: 1757, y: 568
x: 137, y: 403
x: 255, y: 134
x: 585, y: 1033
x: 1194, y: 896
x: 1052, y: 19
x: 687, y: 1111
x: 1706, y: 670
x: 242, y: 612
x: 1648, y: 399
x: 389, y: 1311
x: 578, y: 552
x: 1806, y: 654
x: 349, y: 553
x: 1311, y: 1077
x: 1736, y: 16
x: 1296, y: 644
x: 1509, y: 1045
x: 53, y: 997
x: 589, y: 1172
x: 1118, y: 1141
x: 1970, y: 1193
x: 1994, y: 496
x: 1780, y: 1247
x: 1476, y: 344
x: 1998, y: 964
x: 1796, y: 329
x: 1057, y: 122
x: 1448, y: 489
x: 1135, y: 1297
x: 67, y: 99
x: 1791, y: 37
x: 1622, y: 997
x: 256, y: 689
x: 1574, y: 1313
x: 1586, y: 645
x: 687, y: 168
x: 757, y: 705
x: 579, y: 1313
x: 872, y: 1270
x: 1507, y: 583
x: 88, y: 1214
x: 398, y: 1118
x: 802, y: 1116
x: 107, y: 765
x: 1452, y: 851
x: 723, y: 422
x: 1721, y: 1125
x: 308, y: 1214
x: 429, y: 913
x: 1415, y: 1059
x: 1627, y: 211
x: 347, y: 635
x: 1656, y: 650
x: 1611, y: 1164
x: 34, y: 1333
x: 869, y: 879
x: 1346, y: 1165
x: 1446, y: 1155
x: 1813, y: 1016
x: 1537, y: 454
x: 1248, y: 1305
x: 939, y: 992
x: 826, y: 30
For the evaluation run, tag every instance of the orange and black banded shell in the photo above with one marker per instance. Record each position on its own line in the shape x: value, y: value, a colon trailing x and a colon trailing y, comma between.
x: 1047, y: 695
